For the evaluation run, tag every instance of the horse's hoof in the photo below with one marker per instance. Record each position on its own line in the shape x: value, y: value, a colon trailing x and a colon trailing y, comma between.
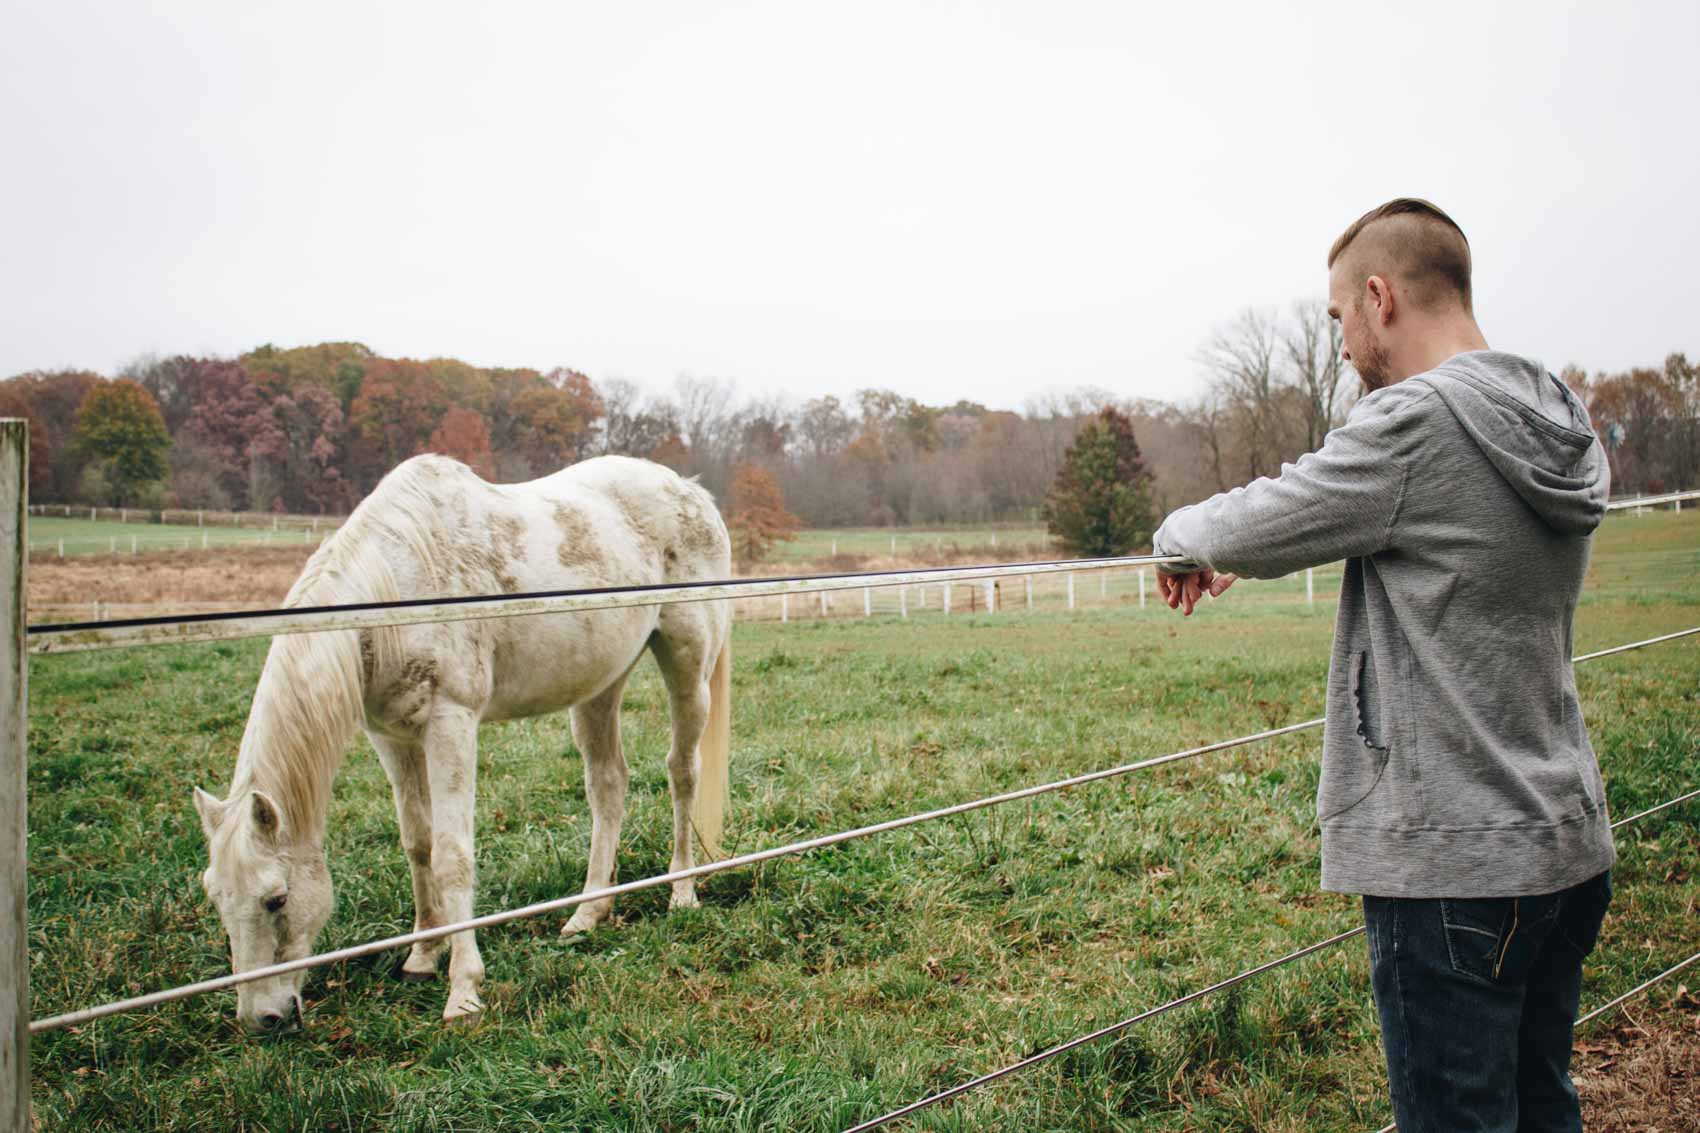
x: 579, y: 925
x: 464, y: 1011
x: 684, y: 901
x: 412, y: 977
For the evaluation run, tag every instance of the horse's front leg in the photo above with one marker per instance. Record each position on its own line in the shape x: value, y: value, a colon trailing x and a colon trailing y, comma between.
x: 404, y: 763
x: 451, y: 765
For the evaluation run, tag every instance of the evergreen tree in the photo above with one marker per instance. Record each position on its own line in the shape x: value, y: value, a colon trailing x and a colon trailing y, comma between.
x: 1100, y: 504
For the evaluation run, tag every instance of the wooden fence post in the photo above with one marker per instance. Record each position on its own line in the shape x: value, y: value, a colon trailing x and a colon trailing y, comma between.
x: 14, y: 813
x: 1071, y: 590
x: 902, y: 601
x: 785, y: 607
x: 1029, y: 592
x: 867, y: 602
x: 1142, y: 588
x: 1310, y: 586
x: 947, y: 599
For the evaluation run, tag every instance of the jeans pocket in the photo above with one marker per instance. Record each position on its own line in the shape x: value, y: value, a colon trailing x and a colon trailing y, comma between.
x: 1476, y: 929
x: 1496, y: 939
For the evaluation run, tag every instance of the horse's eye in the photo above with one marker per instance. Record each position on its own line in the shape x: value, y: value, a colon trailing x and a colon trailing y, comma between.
x: 273, y: 904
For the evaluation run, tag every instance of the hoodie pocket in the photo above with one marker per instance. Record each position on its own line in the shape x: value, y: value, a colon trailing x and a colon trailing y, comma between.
x: 1360, y: 688
x: 1348, y: 781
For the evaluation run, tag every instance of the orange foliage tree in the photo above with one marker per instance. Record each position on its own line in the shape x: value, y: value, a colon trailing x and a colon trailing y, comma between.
x: 463, y: 435
x: 758, y: 519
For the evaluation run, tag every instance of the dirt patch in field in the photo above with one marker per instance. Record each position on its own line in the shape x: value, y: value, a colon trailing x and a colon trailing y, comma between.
x: 160, y: 583
x: 1643, y: 1073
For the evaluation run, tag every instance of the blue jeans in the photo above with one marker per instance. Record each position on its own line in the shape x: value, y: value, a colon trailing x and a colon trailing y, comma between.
x: 1478, y: 1000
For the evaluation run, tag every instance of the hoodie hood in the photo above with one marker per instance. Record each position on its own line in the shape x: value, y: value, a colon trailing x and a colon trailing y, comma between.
x: 1533, y: 430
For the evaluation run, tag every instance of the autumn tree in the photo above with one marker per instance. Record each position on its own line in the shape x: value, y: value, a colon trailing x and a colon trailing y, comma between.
x: 1100, y: 504
x: 297, y: 458
x: 758, y: 519
x: 53, y: 398
x: 399, y: 406
x: 14, y: 404
x: 464, y: 435
x: 119, y: 424
x: 553, y: 421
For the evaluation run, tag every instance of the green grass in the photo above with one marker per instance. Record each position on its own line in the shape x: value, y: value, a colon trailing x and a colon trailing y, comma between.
x: 817, y: 544
x: 813, y: 992
x: 105, y: 536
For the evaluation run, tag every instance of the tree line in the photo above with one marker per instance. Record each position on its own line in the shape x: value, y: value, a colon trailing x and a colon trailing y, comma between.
x: 311, y: 429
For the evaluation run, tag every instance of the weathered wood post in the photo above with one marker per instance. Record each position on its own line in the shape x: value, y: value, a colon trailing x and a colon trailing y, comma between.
x: 867, y: 602
x: 1142, y: 588
x: 902, y: 601
x: 14, y: 816
x: 785, y: 607
x: 1029, y: 592
x: 947, y: 599
x: 1071, y: 590
x: 1310, y: 586
x: 991, y: 595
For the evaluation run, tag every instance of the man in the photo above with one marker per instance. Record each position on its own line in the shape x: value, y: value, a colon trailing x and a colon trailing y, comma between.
x: 1459, y: 795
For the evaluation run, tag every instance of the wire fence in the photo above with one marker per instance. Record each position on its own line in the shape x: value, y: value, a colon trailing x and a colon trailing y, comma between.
x: 707, y: 869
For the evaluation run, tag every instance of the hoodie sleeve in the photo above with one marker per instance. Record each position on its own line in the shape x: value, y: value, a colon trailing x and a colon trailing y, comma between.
x: 1339, y: 502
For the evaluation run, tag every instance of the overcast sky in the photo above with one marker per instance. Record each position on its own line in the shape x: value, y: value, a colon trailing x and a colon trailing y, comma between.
x: 976, y: 201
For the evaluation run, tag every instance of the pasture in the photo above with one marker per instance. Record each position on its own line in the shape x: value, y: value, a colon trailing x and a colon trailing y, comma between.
x: 813, y: 992
x: 108, y: 536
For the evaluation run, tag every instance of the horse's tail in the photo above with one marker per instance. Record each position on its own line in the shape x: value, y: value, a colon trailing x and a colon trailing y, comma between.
x: 714, y: 768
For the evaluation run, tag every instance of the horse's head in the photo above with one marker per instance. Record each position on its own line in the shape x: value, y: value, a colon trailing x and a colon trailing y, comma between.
x: 272, y: 894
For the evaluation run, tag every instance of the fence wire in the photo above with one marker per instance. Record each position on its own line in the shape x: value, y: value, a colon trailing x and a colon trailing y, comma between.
x: 491, y: 920
x: 1192, y: 997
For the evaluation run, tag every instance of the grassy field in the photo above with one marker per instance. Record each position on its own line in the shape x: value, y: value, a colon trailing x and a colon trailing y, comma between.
x: 818, y: 544
x: 814, y: 992
x: 106, y: 536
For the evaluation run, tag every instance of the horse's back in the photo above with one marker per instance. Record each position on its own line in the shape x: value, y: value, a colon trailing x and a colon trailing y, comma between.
x: 672, y: 517
x: 610, y: 521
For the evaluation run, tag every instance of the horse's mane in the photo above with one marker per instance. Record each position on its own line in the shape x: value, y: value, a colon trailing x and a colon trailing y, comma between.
x: 309, y: 699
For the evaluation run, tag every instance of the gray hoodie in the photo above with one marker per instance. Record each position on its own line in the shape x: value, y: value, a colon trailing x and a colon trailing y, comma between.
x: 1454, y: 760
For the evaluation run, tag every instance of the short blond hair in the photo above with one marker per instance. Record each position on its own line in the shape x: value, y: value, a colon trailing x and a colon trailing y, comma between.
x: 1414, y: 241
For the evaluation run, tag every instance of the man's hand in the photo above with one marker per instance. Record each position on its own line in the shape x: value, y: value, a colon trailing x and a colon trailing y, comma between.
x: 1184, y: 591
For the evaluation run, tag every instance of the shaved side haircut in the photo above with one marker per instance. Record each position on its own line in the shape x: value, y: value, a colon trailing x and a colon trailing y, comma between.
x: 1414, y: 242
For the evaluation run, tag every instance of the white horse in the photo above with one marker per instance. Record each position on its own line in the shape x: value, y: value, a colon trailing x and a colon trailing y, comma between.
x: 433, y: 528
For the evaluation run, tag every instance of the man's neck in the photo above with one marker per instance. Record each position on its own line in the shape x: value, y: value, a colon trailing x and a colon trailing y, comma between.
x: 1440, y: 341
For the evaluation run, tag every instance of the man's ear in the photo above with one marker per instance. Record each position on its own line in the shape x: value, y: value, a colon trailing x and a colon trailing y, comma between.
x: 1380, y: 298
x: 211, y: 811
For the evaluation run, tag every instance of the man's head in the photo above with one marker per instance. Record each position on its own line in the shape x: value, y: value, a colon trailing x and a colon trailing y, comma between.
x: 1399, y: 282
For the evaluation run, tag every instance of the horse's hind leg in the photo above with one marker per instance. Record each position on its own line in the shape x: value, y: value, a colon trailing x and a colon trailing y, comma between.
x: 404, y: 763
x: 685, y: 647
x: 596, y: 731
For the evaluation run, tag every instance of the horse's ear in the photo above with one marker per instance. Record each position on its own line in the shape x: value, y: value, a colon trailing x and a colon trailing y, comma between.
x: 267, y: 820
x: 211, y: 811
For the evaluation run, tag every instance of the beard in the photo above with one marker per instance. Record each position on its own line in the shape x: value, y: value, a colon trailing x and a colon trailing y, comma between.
x: 1374, y: 365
